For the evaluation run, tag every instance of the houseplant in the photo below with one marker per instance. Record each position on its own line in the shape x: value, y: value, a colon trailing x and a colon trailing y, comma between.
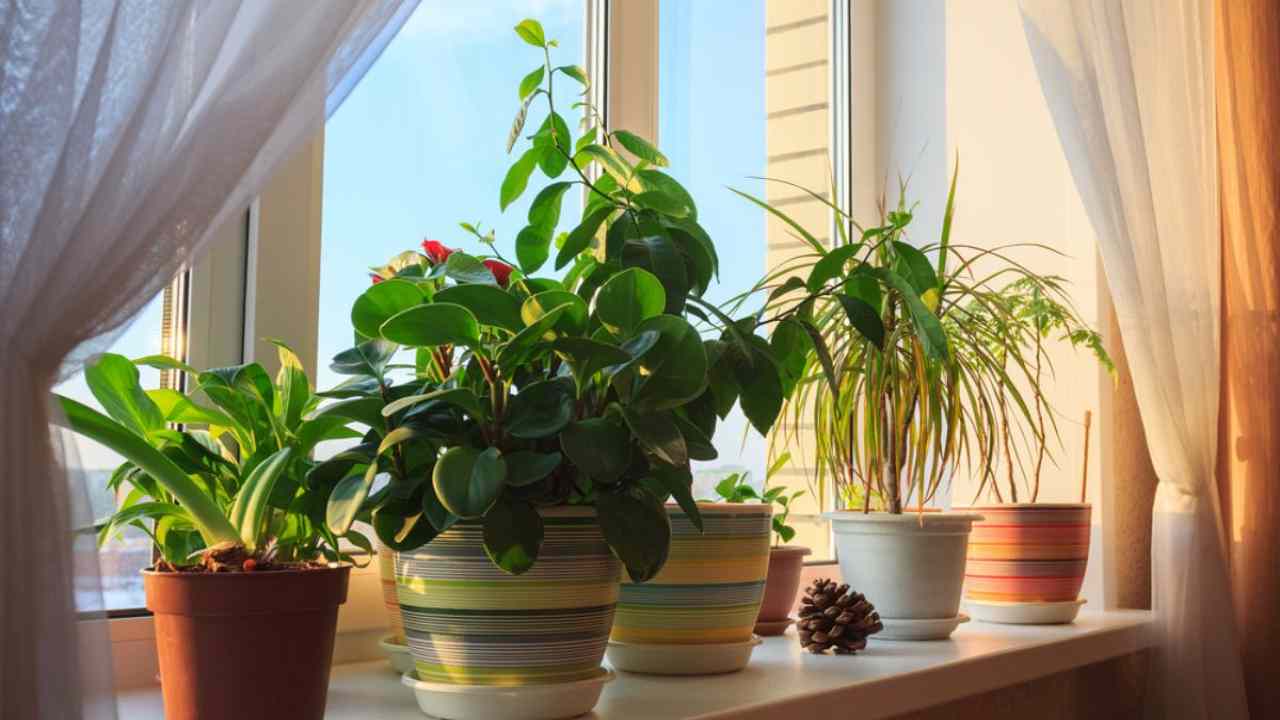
x: 533, y: 440
x: 921, y: 367
x: 249, y: 579
x: 786, y: 562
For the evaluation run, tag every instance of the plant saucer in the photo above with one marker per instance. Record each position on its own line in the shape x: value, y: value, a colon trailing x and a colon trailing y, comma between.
x: 398, y: 655
x: 702, y: 659
x: 913, y: 629
x: 545, y: 701
x: 770, y: 628
x: 1025, y: 613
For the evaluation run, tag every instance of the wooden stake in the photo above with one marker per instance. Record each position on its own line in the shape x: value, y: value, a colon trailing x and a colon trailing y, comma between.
x: 1084, y: 473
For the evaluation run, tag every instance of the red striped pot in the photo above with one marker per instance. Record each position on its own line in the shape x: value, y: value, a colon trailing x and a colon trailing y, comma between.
x: 1024, y: 552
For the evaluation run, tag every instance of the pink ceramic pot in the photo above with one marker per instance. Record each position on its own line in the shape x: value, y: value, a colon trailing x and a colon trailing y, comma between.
x: 783, y: 582
x: 1024, y: 552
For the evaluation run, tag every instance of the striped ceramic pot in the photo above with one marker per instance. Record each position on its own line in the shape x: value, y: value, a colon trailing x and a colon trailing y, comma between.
x: 387, y: 574
x: 469, y: 623
x: 1028, y: 553
x: 710, y: 590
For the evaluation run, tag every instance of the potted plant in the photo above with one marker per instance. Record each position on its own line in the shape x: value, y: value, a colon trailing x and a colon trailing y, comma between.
x: 1027, y: 559
x: 786, y: 562
x: 530, y: 445
x: 919, y: 369
x: 248, y: 578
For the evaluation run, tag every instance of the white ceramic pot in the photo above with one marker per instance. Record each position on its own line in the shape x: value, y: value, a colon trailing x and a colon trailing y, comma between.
x: 910, y: 566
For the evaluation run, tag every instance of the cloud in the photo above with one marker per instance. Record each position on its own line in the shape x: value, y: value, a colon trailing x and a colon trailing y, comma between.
x: 483, y: 20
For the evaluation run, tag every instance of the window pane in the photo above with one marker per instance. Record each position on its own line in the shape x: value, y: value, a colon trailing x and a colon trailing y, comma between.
x: 745, y: 94
x: 121, y: 559
x: 420, y: 144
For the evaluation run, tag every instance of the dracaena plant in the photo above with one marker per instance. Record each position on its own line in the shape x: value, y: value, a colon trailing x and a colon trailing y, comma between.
x: 591, y: 389
x: 230, y: 483
x: 924, y: 360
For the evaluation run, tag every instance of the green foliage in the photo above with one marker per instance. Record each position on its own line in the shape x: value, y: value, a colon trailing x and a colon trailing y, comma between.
x: 238, y: 472
x: 922, y: 360
x: 529, y: 392
x: 736, y: 488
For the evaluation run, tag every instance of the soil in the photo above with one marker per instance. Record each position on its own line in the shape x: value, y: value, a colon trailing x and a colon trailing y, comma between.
x: 232, y: 557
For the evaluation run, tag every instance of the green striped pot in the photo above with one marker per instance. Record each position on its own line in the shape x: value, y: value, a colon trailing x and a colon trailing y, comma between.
x: 469, y: 623
x: 710, y: 590
x: 387, y: 576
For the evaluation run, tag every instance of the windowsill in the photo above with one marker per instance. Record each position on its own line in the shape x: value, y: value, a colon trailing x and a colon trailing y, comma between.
x: 888, y: 679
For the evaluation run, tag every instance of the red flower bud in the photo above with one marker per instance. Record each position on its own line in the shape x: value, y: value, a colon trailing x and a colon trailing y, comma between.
x: 376, y: 278
x: 436, y: 251
x: 501, y: 271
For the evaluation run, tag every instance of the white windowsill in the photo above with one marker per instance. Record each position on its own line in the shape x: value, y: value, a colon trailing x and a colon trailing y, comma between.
x: 888, y: 679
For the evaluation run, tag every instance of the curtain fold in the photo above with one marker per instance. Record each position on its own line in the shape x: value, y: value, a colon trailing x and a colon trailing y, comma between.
x: 1248, y: 92
x: 1130, y: 86
x: 129, y: 129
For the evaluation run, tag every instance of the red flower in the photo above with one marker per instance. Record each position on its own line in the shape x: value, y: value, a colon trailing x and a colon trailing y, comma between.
x: 376, y: 278
x: 501, y: 271
x: 436, y: 251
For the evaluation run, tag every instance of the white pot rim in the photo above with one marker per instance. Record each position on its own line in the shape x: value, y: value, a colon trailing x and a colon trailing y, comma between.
x: 857, y: 516
x: 1023, y: 506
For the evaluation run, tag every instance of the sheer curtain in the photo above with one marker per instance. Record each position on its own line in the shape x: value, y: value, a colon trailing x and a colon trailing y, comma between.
x: 128, y: 129
x: 1130, y: 85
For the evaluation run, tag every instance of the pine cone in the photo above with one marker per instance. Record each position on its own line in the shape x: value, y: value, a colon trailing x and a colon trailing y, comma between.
x: 832, y: 617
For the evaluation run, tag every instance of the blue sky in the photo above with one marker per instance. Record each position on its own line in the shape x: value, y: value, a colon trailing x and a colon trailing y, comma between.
x: 419, y: 145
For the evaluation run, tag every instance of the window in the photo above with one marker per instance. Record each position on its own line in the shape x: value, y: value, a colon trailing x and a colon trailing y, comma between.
x: 154, y: 330
x: 418, y: 146
x: 745, y: 95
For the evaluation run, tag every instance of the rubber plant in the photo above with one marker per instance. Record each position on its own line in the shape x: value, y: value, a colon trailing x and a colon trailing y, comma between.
x: 228, y: 486
x: 924, y: 359
x: 594, y: 388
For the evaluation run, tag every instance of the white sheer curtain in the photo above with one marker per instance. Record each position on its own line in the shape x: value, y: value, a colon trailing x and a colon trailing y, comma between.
x: 128, y: 129
x: 1130, y: 85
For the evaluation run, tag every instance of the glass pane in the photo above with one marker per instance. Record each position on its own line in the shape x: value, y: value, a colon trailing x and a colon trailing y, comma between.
x: 122, y: 557
x: 745, y: 94
x: 420, y: 145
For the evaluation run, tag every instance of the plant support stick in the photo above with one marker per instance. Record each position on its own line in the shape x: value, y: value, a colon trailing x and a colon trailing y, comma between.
x: 1084, y: 473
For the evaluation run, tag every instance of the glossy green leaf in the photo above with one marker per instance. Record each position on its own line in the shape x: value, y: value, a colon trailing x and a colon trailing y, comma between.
x: 113, y: 380
x: 469, y: 481
x: 379, y: 302
x: 367, y: 411
x: 915, y: 267
x: 586, y: 357
x: 761, y: 388
x: 544, y: 212
x: 368, y: 358
x: 553, y: 140
x: 178, y: 408
x: 640, y: 147
x: 401, y: 526
x: 434, y: 324
x: 512, y: 535
x: 251, y: 506
x: 517, y: 178
x: 346, y: 499
x: 659, y: 435
x: 577, y: 73
x: 678, y: 483
x: 464, y: 268
x: 928, y: 329
x: 490, y: 304
x: 530, y: 31
x: 580, y: 237
x: 518, y: 348
x: 599, y: 447
x: 463, y: 398
x: 675, y: 370
x: 533, y: 247
x: 573, y: 311
x: 864, y: 318
x: 526, y: 467
x: 532, y: 81
x: 658, y: 181
x: 628, y: 299
x: 653, y: 250
x: 831, y: 266
x: 636, y: 526
x: 540, y: 409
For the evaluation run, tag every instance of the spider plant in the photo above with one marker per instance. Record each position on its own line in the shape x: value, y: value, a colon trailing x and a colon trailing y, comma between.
x: 925, y: 359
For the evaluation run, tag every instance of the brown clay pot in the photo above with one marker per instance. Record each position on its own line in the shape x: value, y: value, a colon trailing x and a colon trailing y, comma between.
x: 245, y: 646
x: 786, y: 562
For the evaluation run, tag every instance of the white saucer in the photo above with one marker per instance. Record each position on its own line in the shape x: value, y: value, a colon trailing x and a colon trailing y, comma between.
x: 681, y: 659
x: 1025, y: 613
x: 931, y: 629
x: 398, y: 655
x: 551, y: 701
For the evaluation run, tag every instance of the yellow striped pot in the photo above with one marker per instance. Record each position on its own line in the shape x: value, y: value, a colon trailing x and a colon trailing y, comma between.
x: 710, y: 590
x: 1028, y: 553
x: 469, y: 623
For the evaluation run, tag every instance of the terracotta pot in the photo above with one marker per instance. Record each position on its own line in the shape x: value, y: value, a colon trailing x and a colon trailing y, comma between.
x: 469, y: 623
x: 1025, y: 552
x: 247, y: 646
x: 786, y: 562
x: 710, y: 590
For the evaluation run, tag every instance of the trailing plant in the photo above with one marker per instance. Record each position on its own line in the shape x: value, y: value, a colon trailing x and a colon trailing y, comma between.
x: 924, y: 359
x: 591, y: 389
x: 736, y: 488
x: 230, y: 483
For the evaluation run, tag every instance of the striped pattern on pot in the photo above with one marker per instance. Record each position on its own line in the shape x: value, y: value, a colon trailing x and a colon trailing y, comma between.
x: 469, y: 623
x: 1028, y: 553
x: 387, y: 574
x: 712, y: 585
